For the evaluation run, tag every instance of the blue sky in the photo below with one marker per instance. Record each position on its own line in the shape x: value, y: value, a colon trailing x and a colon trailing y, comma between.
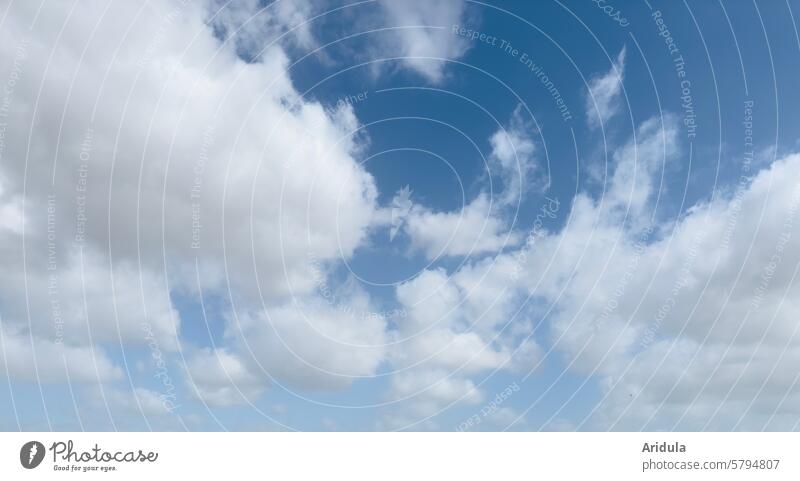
x: 398, y: 226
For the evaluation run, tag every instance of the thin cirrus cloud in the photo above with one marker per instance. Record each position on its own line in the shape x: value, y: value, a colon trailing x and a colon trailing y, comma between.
x: 604, y: 93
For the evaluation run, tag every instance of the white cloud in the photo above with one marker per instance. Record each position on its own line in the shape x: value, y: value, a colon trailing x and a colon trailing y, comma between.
x: 479, y: 227
x: 188, y: 146
x: 139, y: 400
x: 253, y: 26
x: 472, y: 231
x: 430, y: 391
x: 454, y: 331
x: 687, y: 324
x: 434, y: 389
x: 603, y: 99
x: 718, y: 331
x: 312, y: 343
x: 423, y: 36
x: 10, y: 214
x: 32, y: 359
x: 74, y: 296
x: 254, y: 171
x: 513, y: 150
x: 691, y: 323
x: 220, y: 378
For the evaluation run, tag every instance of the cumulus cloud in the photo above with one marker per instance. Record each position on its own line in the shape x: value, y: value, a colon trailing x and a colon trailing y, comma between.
x: 179, y: 162
x: 141, y: 401
x: 161, y: 161
x: 717, y: 331
x: 73, y: 296
x: 455, y: 330
x: 33, y: 359
x: 688, y: 323
x: 440, y: 328
x: 170, y: 154
x: 220, y: 378
x: 471, y: 231
x: 313, y: 344
x: 431, y: 391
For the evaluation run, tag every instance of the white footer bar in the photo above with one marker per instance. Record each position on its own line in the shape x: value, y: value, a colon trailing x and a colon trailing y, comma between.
x: 400, y: 456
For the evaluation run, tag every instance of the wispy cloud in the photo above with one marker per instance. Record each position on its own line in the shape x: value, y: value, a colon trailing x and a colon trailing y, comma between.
x: 603, y: 97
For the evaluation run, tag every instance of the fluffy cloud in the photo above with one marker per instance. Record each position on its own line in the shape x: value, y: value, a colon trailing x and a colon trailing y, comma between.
x: 165, y: 165
x: 157, y: 151
x: 144, y: 402
x: 472, y: 231
x: 689, y: 324
x: 717, y: 330
x: 457, y: 328
x: 313, y: 343
x: 220, y: 378
x: 160, y: 161
x: 430, y: 392
x: 33, y: 359
x: 73, y: 296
